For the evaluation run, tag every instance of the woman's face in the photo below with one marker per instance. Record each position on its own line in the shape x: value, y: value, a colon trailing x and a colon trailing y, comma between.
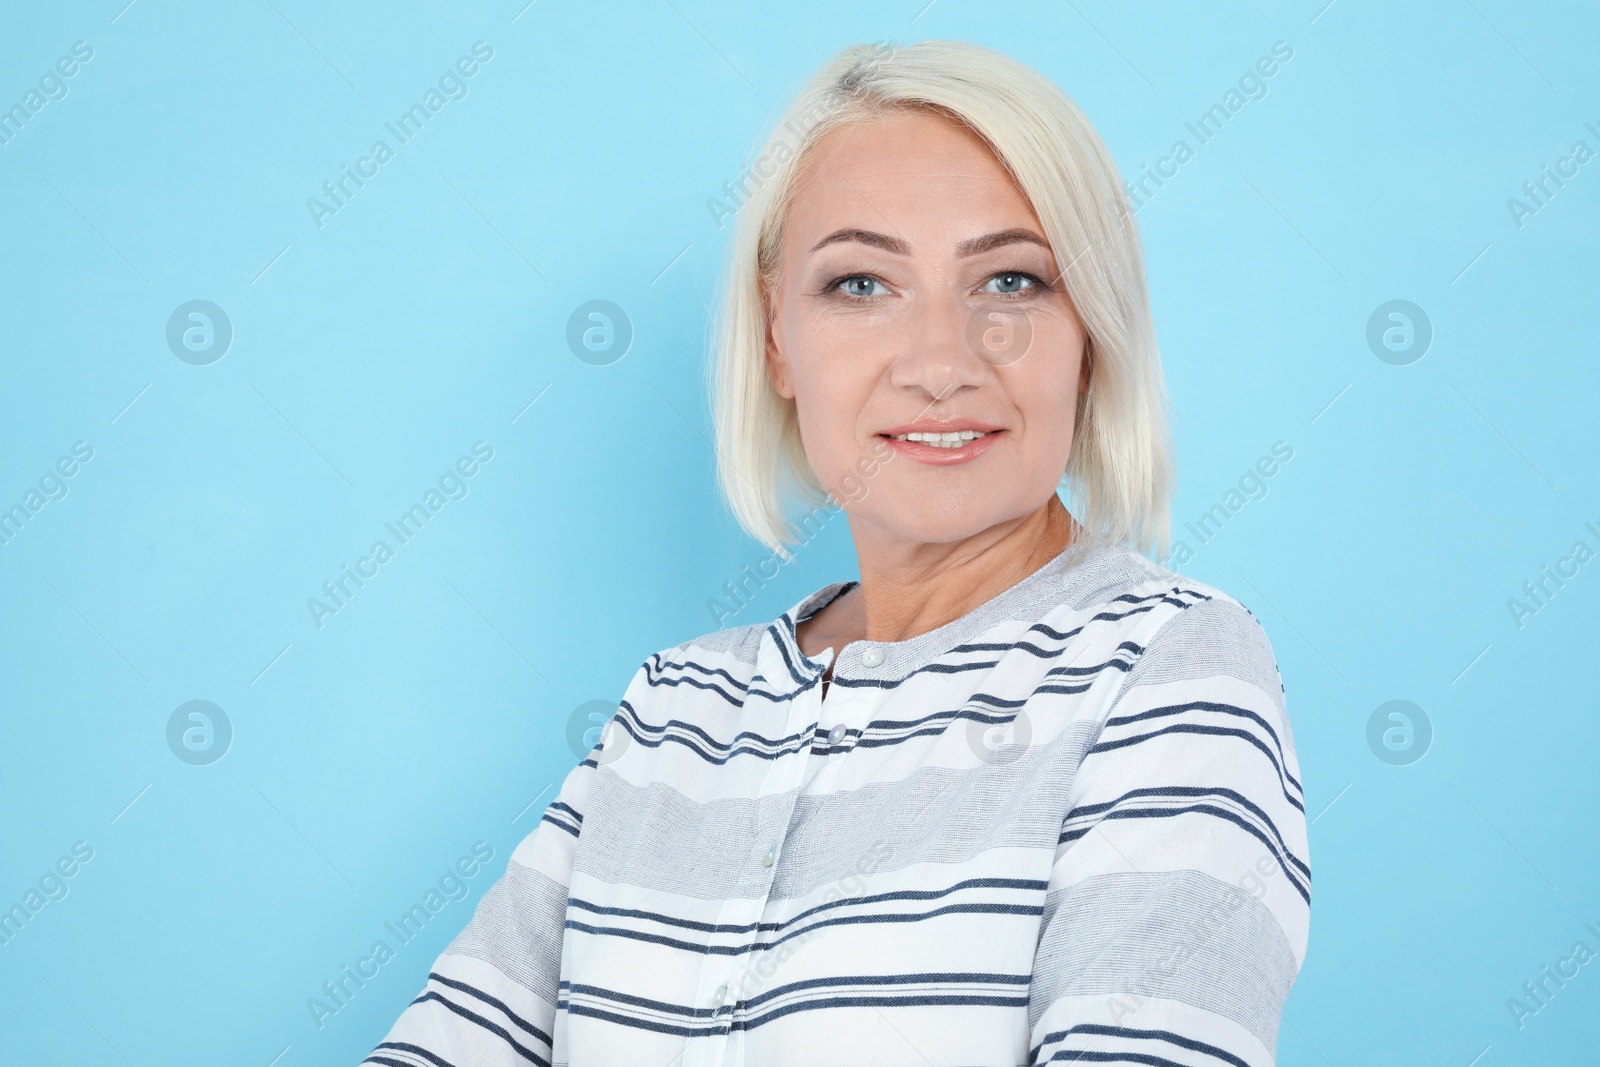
x: 917, y: 293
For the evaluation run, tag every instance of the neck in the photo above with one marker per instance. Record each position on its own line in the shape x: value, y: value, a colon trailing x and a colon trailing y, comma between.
x: 909, y: 588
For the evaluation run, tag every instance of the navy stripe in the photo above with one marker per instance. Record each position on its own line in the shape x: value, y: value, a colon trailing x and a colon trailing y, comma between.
x: 493, y: 1002
x: 633, y: 1022
x: 876, y: 919
x: 786, y: 743
x: 985, y: 664
x: 1200, y: 809
x: 1120, y: 664
x: 658, y: 675
x: 1285, y: 779
x: 1026, y: 884
x: 415, y: 1050
x: 784, y: 639
x: 1086, y: 1056
x: 934, y: 723
x: 801, y: 741
x: 1191, y: 791
x: 979, y: 1000
x: 1205, y: 705
x: 916, y: 1000
x: 872, y: 980
x: 567, y: 809
x: 558, y: 823
x: 710, y: 687
x: 493, y: 1027
x: 1022, y: 981
x: 635, y: 1001
x: 1101, y: 1030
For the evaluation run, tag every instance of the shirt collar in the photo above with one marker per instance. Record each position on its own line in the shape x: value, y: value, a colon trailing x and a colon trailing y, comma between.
x: 1074, y: 567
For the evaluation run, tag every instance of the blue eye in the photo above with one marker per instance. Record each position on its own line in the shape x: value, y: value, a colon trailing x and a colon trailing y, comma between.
x: 859, y: 285
x: 1010, y: 282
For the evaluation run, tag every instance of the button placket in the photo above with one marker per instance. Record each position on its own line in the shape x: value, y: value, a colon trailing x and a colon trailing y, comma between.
x: 722, y: 977
x: 838, y: 702
x: 785, y: 775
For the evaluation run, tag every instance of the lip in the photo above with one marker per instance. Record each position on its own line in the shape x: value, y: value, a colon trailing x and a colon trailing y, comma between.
x: 942, y: 457
x: 937, y: 426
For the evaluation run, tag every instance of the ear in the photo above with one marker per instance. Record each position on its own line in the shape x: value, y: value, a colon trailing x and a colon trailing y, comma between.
x: 778, y: 370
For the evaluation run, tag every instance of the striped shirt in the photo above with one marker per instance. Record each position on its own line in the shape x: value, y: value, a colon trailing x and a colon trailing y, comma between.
x: 1066, y: 826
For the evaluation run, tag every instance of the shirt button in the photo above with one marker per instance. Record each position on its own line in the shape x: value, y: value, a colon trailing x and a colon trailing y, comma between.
x: 871, y: 658
x: 770, y: 856
x: 836, y: 734
x: 720, y: 997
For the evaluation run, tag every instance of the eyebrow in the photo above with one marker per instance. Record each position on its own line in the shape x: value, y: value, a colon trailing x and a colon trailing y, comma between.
x: 970, y: 247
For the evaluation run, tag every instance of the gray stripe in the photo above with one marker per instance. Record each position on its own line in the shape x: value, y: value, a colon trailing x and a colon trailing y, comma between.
x: 517, y: 929
x: 1217, y: 638
x: 937, y: 815
x: 739, y: 642
x: 1179, y: 935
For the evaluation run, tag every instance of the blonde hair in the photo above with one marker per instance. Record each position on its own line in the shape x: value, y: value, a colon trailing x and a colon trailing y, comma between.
x: 1119, y: 473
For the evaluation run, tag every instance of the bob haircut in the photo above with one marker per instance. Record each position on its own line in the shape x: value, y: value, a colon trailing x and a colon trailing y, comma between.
x: 1118, y: 477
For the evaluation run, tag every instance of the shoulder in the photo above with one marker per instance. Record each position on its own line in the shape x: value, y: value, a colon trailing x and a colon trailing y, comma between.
x: 722, y: 661
x: 1190, y: 630
x: 737, y: 644
x: 738, y: 648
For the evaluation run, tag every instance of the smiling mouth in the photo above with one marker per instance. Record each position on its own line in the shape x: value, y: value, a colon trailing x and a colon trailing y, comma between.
x: 953, y: 439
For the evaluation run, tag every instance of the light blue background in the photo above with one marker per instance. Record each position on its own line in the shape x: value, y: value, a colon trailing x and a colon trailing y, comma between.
x: 432, y: 711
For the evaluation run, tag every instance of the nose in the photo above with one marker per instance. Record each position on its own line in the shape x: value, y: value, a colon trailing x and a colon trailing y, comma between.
x: 936, y: 356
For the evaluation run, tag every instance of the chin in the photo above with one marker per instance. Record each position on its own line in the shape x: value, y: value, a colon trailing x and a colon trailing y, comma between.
x: 937, y: 521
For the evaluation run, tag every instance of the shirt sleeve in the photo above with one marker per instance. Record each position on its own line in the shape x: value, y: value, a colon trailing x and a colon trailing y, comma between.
x: 490, y: 997
x: 1178, y: 906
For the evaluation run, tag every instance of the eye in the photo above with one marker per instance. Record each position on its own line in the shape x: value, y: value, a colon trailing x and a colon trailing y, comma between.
x: 860, y: 286
x: 1011, y: 283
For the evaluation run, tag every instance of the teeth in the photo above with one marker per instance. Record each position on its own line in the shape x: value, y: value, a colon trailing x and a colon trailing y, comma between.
x: 954, y: 439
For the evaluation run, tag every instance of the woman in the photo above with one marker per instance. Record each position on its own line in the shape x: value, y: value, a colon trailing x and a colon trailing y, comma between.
x: 1017, y: 795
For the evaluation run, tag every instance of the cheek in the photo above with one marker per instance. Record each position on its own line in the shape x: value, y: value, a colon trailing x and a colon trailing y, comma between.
x: 830, y: 407
x: 1052, y: 420
x: 831, y: 391
x: 1045, y: 387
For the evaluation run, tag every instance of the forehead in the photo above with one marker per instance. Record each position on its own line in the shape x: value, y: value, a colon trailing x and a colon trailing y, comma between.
x: 919, y: 174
